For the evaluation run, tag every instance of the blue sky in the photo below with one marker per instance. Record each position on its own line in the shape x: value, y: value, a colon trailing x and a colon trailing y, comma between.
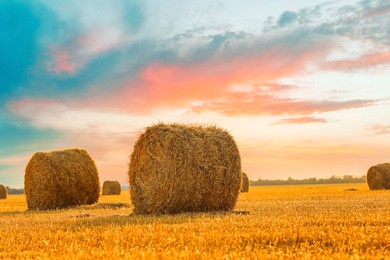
x: 302, y: 86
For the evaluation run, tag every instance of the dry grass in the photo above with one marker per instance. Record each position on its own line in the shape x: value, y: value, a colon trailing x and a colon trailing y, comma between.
x: 378, y: 177
x: 179, y: 168
x: 3, y: 192
x: 309, y: 222
x: 61, y: 179
x: 111, y: 188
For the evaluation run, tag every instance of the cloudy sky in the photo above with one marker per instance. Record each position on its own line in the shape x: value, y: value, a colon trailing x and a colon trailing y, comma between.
x: 303, y: 86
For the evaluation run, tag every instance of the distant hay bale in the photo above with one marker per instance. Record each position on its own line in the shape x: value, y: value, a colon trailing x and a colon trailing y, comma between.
x: 3, y: 192
x: 245, y: 183
x: 378, y: 177
x: 61, y: 179
x: 176, y: 168
x: 111, y: 188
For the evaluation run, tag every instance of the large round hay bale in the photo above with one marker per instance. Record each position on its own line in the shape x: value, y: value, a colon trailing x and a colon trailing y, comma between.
x: 378, y: 177
x: 61, y: 179
x: 245, y: 183
x: 3, y: 192
x: 176, y: 168
x: 111, y: 188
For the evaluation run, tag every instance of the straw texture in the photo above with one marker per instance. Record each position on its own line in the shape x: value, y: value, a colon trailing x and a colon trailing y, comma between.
x: 3, y: 192
x: 177, y: 168
x: 378, y: 177
x: 245, y: 183
x: 111, y: 188
x: 61, y: 179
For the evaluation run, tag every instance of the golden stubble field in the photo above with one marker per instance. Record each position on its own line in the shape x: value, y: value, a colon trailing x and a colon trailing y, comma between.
x: 312, y: 221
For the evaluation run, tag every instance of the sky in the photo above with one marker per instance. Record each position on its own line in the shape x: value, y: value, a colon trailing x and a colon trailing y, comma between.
x: 302, y: 86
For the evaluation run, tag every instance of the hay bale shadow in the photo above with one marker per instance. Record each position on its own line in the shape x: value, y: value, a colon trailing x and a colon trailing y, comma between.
x: 92, y: 220
x: 195, y: 214
x: 351, y: 189
x: 227, y: 213
x: 116, y: 205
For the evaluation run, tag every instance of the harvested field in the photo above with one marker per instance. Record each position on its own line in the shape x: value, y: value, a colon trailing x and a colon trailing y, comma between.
x: 307, y: 221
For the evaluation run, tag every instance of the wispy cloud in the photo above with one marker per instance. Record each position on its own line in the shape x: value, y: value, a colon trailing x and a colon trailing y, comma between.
x: 301, y: 120
x: 364, y: 62
x: 380, y: 129
x: 265, y: 104
x: 375, y: 8
x: 62, y: 62
x: 72, y: 56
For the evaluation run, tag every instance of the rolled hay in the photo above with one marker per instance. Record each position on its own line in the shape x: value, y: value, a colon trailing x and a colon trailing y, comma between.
x: 378, y: 177
x: 244, y: 183
x: 60, y: 179
x: 177, y: 168
x: 3, y: 192
x: 111, y: 188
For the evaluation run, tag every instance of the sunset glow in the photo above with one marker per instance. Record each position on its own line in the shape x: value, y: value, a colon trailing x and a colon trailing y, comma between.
x: 302, y: 87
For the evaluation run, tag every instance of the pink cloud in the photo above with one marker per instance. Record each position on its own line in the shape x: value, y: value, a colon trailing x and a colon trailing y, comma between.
x: 301, y: 120
x: 98, y: 41
x: 69, y: 57
x: 363, y: 62
x: 29, y: 106
x: 207, y: 85
x: 61, y: 62
x: 162, y: 85
x: 265, y: 104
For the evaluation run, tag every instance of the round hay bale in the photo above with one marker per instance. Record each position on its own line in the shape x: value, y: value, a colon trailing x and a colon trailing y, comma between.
x: 378, y: 177
x: 245, y: 183
x: 176, y: 168
x: 111, y: 188
x: 61, y: 179
x: 3, y: 192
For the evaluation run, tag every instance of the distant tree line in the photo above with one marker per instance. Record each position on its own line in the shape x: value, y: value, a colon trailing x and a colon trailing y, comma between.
x: 21, y: 191
x: 14, y: 191
x: 290, y: 181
